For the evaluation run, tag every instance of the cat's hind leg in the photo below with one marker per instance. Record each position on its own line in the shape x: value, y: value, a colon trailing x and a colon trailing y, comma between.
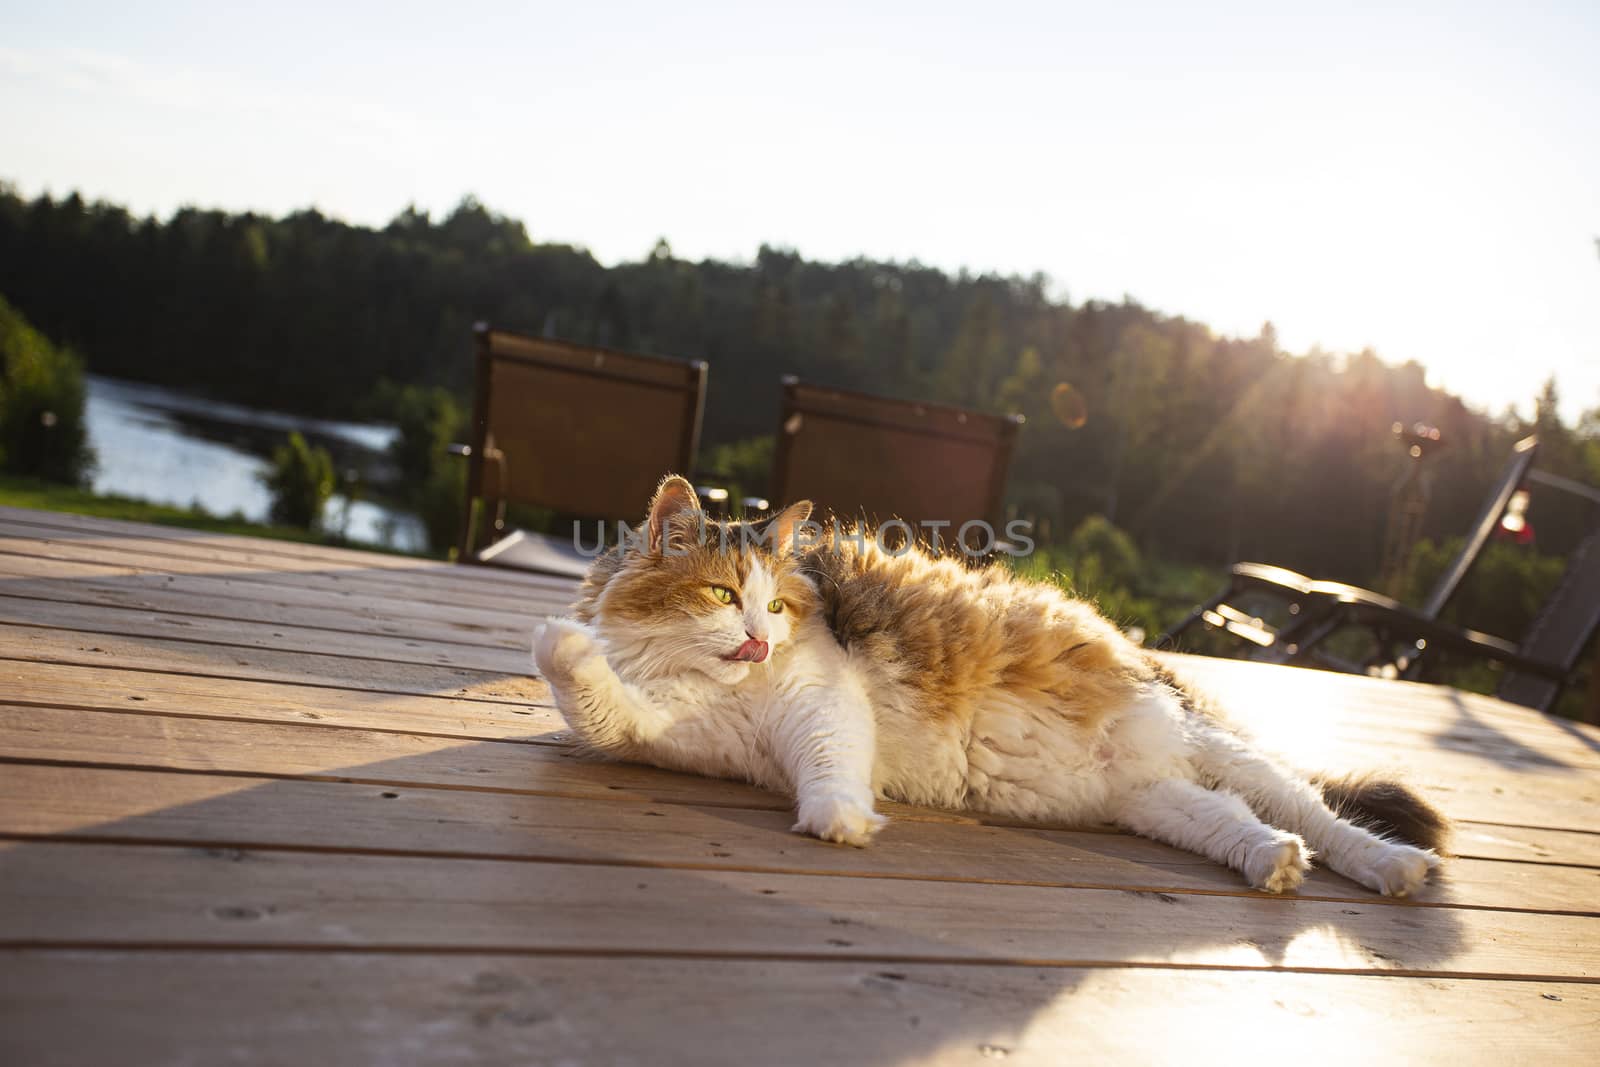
x: 1393, y: 868
x: 1219, y: 826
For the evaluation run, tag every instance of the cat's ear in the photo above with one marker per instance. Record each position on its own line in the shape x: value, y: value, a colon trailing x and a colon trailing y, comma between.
x: 674, y: 497
x: 781, y: 527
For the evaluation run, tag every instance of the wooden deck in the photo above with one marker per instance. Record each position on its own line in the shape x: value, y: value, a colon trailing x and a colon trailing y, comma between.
x: 272, y: 803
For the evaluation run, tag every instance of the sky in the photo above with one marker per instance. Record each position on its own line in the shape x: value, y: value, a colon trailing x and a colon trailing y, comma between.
x: 1424, y: 182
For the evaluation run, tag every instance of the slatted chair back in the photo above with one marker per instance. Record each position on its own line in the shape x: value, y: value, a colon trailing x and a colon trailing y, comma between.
x: 579, y: 429
x: 875, y: 458
x: 1566, y: 624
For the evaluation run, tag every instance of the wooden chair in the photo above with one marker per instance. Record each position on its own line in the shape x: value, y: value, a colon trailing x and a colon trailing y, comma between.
x: 1319, y: 608
x: 579, y: 429
x: 875, y: 459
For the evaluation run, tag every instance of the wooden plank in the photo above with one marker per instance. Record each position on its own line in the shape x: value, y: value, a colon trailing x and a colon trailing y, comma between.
x: 33, y: 683
x: 35, y: 733
x: 188, y: 612
x: 1284, y: 702
x: 114, y: 806
x: 170, y: 538
x: 276, y: 1008
x: 378, y: 588
x: 128, y: 622
x: 59, y: 895
x: 368, y: 588
x: 22, y: 642
x: 1528, y: 739
x: 1526, y: 844
x: 439, y: 583
x: 50, y: 579
x: 1264, y: 689
x: 381, y: 759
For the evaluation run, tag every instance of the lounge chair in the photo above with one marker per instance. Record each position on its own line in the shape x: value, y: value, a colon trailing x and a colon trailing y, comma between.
x: 1318, y: 608
x: 876, y: 459
x: 581, y: 430
x: 1538, y: 668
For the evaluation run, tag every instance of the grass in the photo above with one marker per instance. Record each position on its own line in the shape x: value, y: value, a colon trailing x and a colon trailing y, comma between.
x: 48, y: 496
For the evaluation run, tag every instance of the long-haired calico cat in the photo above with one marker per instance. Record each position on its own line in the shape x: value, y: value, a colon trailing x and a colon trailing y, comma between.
x: 844, y: 672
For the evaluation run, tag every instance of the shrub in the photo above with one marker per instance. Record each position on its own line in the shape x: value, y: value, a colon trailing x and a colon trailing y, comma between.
x: 1502, y: 595
x: 301, y: 479
x: 742, y: 467
x: 1101, y: 563
x: 432, y: 483
x: 42, y: 432
x: 438, y: 503
x: 1110, y: 553
x: 427, y: 419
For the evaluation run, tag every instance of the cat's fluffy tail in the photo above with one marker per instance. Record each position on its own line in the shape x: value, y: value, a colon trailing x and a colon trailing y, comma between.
x: 1385, y: 807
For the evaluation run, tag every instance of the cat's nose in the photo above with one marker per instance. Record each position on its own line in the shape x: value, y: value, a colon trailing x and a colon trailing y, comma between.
x: 754, y: 635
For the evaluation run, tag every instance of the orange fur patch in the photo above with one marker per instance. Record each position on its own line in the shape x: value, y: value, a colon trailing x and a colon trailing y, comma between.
x: 958, y: 635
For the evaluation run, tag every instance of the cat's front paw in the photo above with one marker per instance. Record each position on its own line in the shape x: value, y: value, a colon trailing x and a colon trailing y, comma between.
x: 561, y: 647
x: 838, y: 817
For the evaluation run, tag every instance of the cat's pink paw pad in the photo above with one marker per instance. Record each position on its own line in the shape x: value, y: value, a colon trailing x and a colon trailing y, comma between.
x: 1278, y: 865
x: 845, y: 820
x: 560, y: 646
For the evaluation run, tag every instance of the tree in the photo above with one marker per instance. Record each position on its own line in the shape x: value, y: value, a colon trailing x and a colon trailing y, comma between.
x: 426, y: 421
x: 300, y: 479
x: 42, y: 431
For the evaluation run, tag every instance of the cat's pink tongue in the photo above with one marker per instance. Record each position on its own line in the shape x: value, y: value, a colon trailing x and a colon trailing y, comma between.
x: 752, y: 651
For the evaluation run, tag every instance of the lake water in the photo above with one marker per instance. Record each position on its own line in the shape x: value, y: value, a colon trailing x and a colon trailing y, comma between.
x: 169, y: 447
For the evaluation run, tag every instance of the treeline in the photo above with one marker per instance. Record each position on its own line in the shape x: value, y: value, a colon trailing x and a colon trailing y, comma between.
x: 1205, y: 448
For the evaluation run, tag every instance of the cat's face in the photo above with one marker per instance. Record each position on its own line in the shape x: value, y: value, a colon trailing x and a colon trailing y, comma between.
x: 703, y: 596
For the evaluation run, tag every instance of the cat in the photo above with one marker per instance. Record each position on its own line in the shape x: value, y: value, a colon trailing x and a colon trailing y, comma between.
x: 845, y: 671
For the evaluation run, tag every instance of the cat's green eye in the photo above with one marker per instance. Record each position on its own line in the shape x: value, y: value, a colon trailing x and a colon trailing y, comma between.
x: 722, y: 593
x: 775, y: 606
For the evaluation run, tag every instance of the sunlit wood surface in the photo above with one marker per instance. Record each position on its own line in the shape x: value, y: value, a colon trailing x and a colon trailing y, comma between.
x: 271, y: 803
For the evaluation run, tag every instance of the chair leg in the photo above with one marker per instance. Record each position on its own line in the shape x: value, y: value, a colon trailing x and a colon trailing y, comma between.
x: 1591, y: 711
x: 464, y: 538
x: 1299, y: 644
x: 1169, y: 640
